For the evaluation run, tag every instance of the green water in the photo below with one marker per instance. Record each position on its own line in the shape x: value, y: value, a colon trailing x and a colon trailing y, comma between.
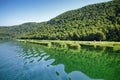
x: 25, y: 61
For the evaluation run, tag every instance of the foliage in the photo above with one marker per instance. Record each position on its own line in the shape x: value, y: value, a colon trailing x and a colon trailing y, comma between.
x: 93, y: 22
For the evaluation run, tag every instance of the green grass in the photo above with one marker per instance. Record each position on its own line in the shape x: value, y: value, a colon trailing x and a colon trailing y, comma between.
x: 74, y: 44
x: 44, y: 43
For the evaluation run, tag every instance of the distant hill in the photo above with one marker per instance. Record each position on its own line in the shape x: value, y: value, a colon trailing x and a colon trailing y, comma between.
x: 93, y: 22
x: 18, y: 30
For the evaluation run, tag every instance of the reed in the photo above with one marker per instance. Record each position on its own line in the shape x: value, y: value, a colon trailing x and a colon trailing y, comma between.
x: 59, y: 44
x: 73, y: 46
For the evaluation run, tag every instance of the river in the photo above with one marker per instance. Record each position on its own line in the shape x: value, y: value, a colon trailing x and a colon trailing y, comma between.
x: 26, y: 61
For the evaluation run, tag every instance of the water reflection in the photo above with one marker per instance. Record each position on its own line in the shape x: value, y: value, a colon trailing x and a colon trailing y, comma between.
x: 97, y: 63
x: 35, y: 62
x: 114, y: 49
x: 39, y: 65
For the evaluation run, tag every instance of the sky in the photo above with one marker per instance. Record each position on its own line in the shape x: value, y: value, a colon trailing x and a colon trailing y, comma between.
x: 15, y: 12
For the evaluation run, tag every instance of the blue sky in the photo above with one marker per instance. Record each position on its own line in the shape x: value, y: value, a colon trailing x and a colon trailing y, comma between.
x: 14, y: 12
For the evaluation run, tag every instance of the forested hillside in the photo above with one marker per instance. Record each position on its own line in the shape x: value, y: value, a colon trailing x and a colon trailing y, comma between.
x: 93, y: 22
x: 18, y: 30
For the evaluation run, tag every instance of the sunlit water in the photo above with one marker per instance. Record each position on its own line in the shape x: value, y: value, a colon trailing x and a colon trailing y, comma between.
x: 25, y: 61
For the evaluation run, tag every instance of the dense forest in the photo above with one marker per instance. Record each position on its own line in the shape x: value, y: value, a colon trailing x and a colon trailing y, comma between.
x: 93, y: 22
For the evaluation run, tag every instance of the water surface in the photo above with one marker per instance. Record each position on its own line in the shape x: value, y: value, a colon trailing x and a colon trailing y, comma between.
x: 25, y: 61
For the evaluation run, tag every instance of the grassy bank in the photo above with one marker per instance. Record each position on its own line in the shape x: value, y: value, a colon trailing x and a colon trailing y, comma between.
x: 76, y: 45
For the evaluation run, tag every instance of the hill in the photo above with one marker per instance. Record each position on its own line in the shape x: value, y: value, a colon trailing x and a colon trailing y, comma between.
x: 18, y: 30
x: 93, y: 22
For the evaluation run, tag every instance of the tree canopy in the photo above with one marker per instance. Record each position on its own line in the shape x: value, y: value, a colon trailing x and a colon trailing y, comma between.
x: 93, y: 22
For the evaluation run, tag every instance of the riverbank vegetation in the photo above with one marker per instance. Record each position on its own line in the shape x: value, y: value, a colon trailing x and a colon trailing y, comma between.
x: 75, y: 45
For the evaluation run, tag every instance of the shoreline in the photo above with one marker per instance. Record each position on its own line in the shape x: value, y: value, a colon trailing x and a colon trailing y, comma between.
x: 73, y: 44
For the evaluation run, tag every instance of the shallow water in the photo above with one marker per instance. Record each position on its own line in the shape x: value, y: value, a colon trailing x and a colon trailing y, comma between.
x: 25, y: 61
